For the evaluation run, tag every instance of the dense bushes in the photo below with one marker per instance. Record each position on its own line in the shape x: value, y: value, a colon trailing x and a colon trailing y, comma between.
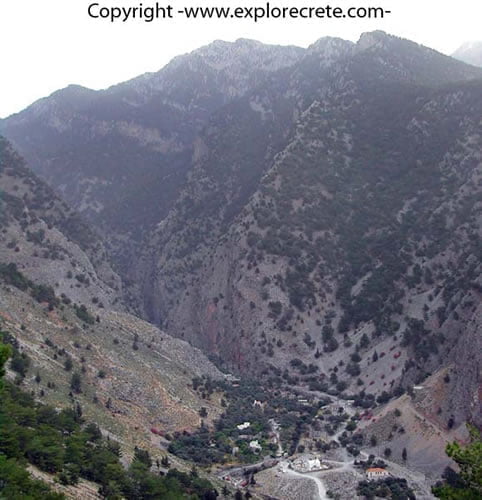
x: 61, y: 443
x: 19, y: 361
x: 467, y: 482
x: 386, y: 488
x: 83, y: 314
x: 246, y: 402
x: 12, y: 276
x: 41, y: 293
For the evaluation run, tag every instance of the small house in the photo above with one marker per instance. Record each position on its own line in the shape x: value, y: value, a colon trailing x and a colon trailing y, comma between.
x: 255, y: 446
x: 374, y: 473
x: 243, y: 426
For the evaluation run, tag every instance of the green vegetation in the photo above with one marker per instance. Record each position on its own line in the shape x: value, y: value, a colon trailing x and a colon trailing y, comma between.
x: 5, y: 352
x: 355, y: 214
x: 19, y: 361
x: 395, y: 488
x: 206, y: 446
x: 38, y: 202
x: 467, y: 483
x: 62, y: 444
x: 10, y: 275
x: 76, y: 383
x: 83, y: 314
x: 423, y: 341
x: 16, y: 482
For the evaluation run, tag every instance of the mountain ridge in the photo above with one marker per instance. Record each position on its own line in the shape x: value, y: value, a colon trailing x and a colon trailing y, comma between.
x: 308, y: 220
x: 209, y: 260
x: 62, y: 310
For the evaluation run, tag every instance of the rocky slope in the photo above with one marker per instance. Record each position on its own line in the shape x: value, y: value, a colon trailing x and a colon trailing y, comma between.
x: 344, y: 246
x: 133, y: 376
x: 325, y: 207
x: 50, y: 242
x: 121, y: 155
x: 60, y: 301
x: 309, y: 216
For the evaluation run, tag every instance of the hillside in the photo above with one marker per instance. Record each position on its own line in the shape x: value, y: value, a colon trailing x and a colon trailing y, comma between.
x: 120, y: 156
x: 75, y: 344
x: 356, y: 239
x: 307, y: 219
x: 133, y: 377
x: 48, y: 241
x: 328, y: 211
x: 52, y: 453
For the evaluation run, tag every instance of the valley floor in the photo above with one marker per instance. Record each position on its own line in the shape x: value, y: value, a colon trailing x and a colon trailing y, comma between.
x: 341, y: 481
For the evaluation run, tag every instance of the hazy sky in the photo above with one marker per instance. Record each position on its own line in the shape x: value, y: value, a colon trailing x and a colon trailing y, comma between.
x: 48, y: 44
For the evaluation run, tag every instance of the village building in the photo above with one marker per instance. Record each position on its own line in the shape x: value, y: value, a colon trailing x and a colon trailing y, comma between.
x: 308, y: 464
x: 243, y: 426
x: 229, y: 377
x: 374, y: 473
x: 255, y: 446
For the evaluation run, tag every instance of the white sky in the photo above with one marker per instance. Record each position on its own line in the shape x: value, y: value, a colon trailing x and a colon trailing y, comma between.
x: 48, y: 44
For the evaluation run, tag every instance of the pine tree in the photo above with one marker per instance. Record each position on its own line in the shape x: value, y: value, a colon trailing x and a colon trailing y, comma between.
x: 76, y: 383
x: 469, y: 460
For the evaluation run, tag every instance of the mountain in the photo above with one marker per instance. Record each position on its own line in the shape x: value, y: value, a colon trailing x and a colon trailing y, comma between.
x: 306, y: 217
x: 47, y: 240
x: 470, y: 53
x: 61, y: 309
x: 343, y: 247
x: 302, y: 212
x: 340, y: 252
x: 120, y: 156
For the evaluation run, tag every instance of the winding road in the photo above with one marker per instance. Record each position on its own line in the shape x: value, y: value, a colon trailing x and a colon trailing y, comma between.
x: 345, y: 464
x: 319, y: 483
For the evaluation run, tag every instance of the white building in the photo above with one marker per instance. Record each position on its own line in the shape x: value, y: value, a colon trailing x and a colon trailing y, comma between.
x: 376, y: 473
x: 255, y: 446
x: 308, y: 464
x: 314, y: 464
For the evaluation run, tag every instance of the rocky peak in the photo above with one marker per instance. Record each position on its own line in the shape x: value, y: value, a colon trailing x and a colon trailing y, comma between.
x: 222, y: 55
x: 395, y: 46
x: 232, y: 66
x: 470, y: 53
x: 374, y: 39
x: 390, y: 58
x: 331, y: 49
